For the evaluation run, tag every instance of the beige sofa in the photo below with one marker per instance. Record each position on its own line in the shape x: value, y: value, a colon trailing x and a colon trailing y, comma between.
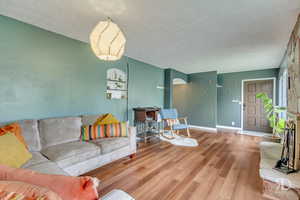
x: 57, y: 149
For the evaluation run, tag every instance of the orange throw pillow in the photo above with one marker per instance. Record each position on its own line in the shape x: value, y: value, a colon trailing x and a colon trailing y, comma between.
x: 67, y: 187
x: 14, y: 128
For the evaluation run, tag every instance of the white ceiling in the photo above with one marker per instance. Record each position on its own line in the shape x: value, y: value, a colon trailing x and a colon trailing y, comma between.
x: 188, y: 35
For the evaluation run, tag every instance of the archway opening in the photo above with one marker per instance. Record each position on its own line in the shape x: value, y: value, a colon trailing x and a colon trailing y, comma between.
x: 179, y: 81
x: 179, y: 96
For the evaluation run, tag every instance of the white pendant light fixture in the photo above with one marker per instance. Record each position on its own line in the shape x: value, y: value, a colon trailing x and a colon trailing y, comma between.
x: 108, y: 41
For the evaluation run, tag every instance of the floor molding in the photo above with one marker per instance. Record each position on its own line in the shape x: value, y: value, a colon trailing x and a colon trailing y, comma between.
x: 229, y: 127
x: 204, y: 128
x: 254, y: 133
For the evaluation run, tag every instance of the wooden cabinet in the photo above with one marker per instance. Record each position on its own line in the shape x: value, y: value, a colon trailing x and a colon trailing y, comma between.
x: 147, y: 122
x: 146, y: 114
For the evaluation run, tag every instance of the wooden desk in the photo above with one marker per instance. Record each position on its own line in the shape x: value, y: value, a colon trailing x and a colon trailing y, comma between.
x: 146, y: 122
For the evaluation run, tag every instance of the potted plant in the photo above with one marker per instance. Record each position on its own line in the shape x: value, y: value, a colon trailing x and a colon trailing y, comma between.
x: 273, y: 115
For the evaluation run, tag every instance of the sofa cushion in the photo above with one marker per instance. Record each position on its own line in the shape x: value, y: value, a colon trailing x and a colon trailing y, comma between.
x: 108, y: 145
x: 37, y: 158
x: 48, y: 167
x: 31, y: 134
x: 71, y: 153
x: 59, y: 130
x: 89, y: 119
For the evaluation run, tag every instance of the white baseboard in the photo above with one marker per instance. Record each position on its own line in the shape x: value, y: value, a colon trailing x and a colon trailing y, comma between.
x: 229, y: 127
x: 203, y: 128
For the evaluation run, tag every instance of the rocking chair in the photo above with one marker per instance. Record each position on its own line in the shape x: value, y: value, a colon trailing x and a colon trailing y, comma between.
x: 172, y: 123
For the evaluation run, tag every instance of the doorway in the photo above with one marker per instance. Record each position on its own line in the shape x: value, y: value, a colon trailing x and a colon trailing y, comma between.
x: 253, y: 114
x: 179, y: 100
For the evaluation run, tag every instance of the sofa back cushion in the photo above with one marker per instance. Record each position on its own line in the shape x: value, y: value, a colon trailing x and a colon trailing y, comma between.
x: 59, y: 130
x: 31, y: 134
x: 89, y: 119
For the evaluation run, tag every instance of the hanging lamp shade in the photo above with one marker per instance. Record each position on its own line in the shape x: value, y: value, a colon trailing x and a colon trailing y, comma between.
x: 107, y: 41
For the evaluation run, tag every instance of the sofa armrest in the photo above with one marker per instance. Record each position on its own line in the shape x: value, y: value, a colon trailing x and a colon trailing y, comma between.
x: 132, y: 138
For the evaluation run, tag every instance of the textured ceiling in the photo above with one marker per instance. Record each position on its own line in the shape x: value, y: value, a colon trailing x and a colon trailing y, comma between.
x: 190, y: 36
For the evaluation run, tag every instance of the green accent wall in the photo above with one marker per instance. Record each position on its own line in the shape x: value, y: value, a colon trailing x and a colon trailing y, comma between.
x: 43, y: 74
x: 197, y: 100
x: 228, y: 111
x: 170, y: 75
x: 145, y: 86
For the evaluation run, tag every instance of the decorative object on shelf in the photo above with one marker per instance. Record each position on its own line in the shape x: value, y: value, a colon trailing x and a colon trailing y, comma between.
x: 147, y: 122
x: 273, y: 115
x: 287, y: 163
x: 116, y: 84
x: 108, y: 41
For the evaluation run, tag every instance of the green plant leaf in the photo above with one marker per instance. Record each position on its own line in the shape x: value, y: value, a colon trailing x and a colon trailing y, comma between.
x: 272, y: 120
x: 267, y: 101
x: 269, y: 114
x: 268, y: 107
x: 281, y: 109
x: 279, y: 130
x: 281, y: 123
x: 260, y: 95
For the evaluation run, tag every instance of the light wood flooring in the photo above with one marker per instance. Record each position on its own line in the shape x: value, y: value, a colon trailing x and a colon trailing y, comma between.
x: 223, y: 167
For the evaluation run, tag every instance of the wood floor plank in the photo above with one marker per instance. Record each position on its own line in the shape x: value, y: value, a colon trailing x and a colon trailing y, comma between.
x: 223, y: 167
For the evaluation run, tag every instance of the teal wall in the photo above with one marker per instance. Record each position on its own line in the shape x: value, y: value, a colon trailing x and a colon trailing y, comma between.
x: 143, y: 91
x: 197, y: 100
x: 170, y: 75
x: 228, y: 111
x: 43, y: 74
x: 206, y: 105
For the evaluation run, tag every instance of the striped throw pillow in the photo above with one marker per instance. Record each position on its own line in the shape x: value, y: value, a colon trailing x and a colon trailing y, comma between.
x: 92, y: 132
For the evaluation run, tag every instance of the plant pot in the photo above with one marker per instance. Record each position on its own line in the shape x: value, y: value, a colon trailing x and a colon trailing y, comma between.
x: 271, y: 138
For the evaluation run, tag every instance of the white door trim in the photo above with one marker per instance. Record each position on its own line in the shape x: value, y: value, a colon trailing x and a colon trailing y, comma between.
x: 242, y: 97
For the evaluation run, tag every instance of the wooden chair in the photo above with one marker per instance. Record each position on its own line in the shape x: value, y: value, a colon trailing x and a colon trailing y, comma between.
x: 172, y: 123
